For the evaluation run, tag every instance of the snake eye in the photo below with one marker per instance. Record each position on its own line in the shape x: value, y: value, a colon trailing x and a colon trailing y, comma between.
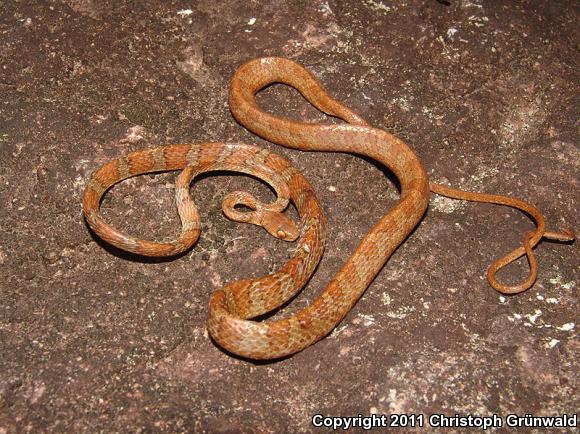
x: 281, y: 234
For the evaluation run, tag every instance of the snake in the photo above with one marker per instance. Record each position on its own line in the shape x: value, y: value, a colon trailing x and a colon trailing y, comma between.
x: 234, y: 309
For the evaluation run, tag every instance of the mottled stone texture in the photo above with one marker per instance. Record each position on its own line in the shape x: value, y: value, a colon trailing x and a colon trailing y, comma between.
x: 92, y: 339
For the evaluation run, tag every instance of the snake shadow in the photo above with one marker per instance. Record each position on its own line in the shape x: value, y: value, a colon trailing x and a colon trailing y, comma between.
x: 387, y: 173
x: 255, y: 362
x: 395, y: 181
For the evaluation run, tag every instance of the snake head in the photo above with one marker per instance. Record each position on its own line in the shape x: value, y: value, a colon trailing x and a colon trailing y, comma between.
x: 274, y: 221
x: 278, y: 225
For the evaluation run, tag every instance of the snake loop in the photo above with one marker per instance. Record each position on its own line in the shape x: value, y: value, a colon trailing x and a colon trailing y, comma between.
x: 531, y: 239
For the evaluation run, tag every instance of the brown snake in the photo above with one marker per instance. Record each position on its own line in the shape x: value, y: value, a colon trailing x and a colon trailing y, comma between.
x: 232, y: 307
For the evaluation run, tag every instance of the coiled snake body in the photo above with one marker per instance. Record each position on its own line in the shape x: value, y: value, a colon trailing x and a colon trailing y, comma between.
x: 232, y: 307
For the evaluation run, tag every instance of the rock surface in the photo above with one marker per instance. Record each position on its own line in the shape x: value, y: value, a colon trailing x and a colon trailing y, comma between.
x: 92, y: 339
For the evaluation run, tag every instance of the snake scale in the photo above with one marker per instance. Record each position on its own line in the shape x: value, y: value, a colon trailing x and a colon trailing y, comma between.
x: 232, y: 307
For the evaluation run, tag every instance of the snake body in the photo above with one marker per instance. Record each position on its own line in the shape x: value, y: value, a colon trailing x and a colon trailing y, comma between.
x: 232, y: 307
